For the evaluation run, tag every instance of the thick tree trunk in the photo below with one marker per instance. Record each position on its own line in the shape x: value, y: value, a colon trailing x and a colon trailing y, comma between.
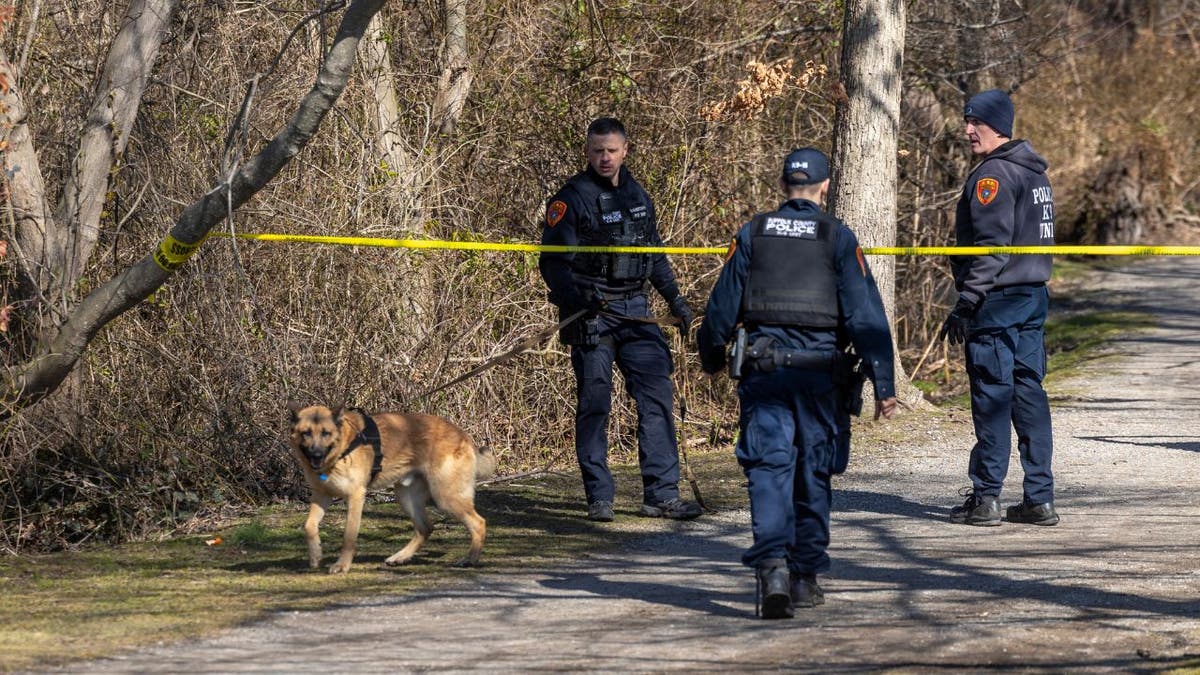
x: 34, y: 380
x: 866, y: 136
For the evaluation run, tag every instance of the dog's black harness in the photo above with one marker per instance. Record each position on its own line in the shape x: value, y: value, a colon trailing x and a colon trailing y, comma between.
x: 368, y: 435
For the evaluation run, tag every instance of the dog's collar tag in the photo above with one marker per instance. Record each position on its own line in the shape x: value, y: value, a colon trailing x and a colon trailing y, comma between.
x: 324, y: 478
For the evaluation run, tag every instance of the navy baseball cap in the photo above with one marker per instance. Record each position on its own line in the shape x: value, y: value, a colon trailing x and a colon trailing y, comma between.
x: 805, y: 166
x: 992, y: 107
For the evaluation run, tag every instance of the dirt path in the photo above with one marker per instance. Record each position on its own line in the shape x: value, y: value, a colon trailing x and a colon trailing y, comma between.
x: 1114, y: 588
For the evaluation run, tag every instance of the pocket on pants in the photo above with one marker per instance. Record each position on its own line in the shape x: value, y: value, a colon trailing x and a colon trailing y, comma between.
x: 989, y: 359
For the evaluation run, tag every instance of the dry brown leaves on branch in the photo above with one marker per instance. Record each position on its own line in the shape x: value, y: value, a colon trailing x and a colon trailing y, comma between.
x: 764, y: 83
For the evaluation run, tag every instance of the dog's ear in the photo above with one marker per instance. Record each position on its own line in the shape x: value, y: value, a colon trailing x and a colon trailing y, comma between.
x: 337, y: 411
x: 293, y: 410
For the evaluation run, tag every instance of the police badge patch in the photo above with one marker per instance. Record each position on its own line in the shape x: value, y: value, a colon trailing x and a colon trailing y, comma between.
x: 986, y: 190
x: 555, y: 212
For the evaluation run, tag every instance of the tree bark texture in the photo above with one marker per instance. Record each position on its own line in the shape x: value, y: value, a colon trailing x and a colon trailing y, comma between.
x: 455, y: 82
x: 30, y: 214
x: 33, y: 381
x: 105, y: 133
x: 381, y: 80
x: 55, y: 244
x: 866, y: 133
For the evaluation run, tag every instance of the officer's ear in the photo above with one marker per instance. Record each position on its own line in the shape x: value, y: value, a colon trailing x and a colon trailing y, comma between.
x: 824, y: 190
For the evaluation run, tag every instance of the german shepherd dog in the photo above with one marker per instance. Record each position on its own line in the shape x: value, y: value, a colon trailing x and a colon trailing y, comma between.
x: 344, y: 452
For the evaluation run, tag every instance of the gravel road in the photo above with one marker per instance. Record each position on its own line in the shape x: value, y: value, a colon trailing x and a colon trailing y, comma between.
x: 1114, y: 588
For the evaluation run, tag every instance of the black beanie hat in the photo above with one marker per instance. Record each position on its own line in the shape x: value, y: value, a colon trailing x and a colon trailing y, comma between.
x: 994, y: 108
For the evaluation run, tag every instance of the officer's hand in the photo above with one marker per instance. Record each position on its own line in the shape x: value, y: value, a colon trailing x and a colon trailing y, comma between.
x: 712, y: 360
x: 680, y: 308
x: 596, y: 303
x: 885, y: 408
x: 956, y: 324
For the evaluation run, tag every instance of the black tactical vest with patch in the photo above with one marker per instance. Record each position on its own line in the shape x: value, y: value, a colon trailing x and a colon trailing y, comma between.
x: 614, y: 218
x: 791, y: 276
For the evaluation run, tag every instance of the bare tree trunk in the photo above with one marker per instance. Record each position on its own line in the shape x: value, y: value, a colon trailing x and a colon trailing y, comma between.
x: 866, y: 133
x: 39, y: 246
x: 54, y: 248
x: 381, y: 80
x: 106, y: 131
x: 455, y: 82
x: 33, y: 381
x: 409, y: 170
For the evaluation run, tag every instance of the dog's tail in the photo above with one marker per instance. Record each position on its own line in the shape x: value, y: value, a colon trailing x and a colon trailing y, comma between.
x: 485, y: 463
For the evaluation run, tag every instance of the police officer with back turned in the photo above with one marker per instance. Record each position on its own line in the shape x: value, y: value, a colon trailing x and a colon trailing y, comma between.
x: 1000, y: 315
x: 604, y: 206
x: 796, y: 281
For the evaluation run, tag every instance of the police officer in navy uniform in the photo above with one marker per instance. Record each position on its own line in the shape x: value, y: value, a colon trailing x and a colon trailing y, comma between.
x: 1000, y: 315
x: 797, y: 283
x: 604, y: 206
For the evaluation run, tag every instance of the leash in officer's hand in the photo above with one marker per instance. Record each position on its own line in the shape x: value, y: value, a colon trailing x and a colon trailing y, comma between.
x: 683, y: 440
x: 522, y: 346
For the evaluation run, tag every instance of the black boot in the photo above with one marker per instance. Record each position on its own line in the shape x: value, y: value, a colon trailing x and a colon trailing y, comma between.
x: 980, y: 510
x: 1037, y: 514
x: 772, y: 576
x: 806, y: 592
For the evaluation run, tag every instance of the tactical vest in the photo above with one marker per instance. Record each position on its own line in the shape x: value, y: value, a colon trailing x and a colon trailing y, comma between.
x: 613, y: 218
x: 791, y: 276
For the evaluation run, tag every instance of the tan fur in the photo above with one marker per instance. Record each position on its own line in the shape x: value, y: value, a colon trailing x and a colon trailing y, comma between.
x: 424, y: 458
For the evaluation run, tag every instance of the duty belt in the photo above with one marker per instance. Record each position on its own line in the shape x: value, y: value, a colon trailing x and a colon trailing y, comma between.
x: 764, y: 356
x: 621, y: 295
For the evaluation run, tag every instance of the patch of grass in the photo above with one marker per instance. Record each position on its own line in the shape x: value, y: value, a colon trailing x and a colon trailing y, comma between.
x: 1074, y: 340
x: 84, y: 604
x: 925, y: 386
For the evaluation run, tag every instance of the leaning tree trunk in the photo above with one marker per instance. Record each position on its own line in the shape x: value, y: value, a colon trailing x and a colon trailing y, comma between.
x: 33, y: 381
x: 866, y: 137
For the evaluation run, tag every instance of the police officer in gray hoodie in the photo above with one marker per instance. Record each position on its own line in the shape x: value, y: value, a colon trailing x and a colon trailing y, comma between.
x: 1000, y: 315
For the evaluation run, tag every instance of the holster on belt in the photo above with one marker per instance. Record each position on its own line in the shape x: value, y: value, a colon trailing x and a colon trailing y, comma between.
x: 848, y: 377
x: 584, y: 331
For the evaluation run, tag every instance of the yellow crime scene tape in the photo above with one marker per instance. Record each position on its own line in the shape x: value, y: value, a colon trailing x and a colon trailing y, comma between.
x: 379, y: 242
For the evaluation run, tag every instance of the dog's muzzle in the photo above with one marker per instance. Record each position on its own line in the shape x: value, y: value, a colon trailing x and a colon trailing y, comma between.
x: 316, y: 456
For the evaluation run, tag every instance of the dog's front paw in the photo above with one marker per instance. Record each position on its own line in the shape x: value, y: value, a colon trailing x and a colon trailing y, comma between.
x: 339, y: 567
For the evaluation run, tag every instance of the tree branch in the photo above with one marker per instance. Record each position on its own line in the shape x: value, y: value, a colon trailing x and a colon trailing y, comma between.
x: 36, y: 379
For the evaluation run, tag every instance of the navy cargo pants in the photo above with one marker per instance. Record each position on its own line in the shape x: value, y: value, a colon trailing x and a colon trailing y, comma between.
x: 1006, y: 361
x: 789, y: 424
x: 640, y: 351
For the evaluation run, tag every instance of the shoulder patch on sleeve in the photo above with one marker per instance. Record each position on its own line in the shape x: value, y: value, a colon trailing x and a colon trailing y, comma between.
x: 862, y: 263
x: 555, y: 212
x: 986, y: 190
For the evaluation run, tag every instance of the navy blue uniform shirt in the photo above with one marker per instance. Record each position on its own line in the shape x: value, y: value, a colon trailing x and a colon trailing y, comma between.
x: 566, y: 215
x: 1006, y: 201
x: 862, y: 314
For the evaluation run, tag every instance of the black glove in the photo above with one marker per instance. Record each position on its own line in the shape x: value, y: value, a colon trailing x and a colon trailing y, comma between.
x: 680, y: 308
x: 596, y: 303
x: 956, y: 324
x: 712, y: 360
